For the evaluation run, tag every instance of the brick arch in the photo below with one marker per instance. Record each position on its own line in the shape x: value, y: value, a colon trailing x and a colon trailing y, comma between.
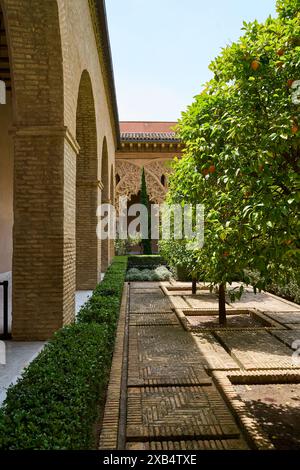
x: 87, y: 187
x: 112, y: 184
x: 112, y: 199
x: 105, y: 171
x: 105, y: 198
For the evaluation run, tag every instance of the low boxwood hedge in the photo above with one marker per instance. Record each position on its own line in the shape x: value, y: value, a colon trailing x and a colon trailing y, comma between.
x: 55, y: 404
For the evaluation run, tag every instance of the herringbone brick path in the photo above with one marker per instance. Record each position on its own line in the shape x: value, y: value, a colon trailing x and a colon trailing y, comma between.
x: 171, y: 402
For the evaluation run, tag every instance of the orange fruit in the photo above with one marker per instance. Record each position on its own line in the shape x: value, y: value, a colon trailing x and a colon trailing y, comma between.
x: 205, y: 171
x: 255, y: 64
x: 290, y: 82
x: 280, y: 52
x: 226, y: 253
x: 295, y: 129
x: 212, y: 169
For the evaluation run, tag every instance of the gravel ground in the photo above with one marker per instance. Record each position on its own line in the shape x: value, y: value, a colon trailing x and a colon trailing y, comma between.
x: 277, y: 407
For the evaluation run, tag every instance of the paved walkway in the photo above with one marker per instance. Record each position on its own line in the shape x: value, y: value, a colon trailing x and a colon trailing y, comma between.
x: 176, y: 373
x: 171, y: 402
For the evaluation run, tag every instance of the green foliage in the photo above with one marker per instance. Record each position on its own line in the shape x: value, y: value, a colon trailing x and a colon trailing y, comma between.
x: 145, y: 261
x: 56, y: 402
x: 54, y: 405
x: 289, y: 289
x: 146, y: 243
x: 123, y: 247
x: 284, y: 284
x: 160, y: 273
x: 181, y: 258
x: 103, y: 306
x: 241, y: 161
x: 288, y: 8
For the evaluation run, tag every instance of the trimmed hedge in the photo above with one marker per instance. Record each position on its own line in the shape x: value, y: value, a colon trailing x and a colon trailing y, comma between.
x: 104, y: 305
x: 55, y: 404
x: 145, y: 261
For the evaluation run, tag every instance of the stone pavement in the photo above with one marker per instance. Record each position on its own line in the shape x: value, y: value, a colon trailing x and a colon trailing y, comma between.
x: 175, y: 374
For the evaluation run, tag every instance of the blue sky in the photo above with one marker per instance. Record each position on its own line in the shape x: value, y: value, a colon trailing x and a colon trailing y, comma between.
x: 162, y: 48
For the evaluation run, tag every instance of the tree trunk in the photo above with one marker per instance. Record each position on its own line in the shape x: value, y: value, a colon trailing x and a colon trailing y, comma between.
x: 222, y: 305
x: 194, y: 286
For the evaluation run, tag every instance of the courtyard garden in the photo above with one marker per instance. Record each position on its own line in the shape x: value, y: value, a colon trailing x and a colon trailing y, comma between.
x: 196, y: 348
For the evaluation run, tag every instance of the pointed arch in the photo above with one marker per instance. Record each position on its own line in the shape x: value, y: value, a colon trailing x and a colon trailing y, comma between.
x: 87, y: 273
x: 112, y: 201
x: 105, y: 198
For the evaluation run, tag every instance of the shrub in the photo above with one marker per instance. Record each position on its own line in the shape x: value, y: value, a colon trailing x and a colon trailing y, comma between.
x: 161, y: 273
x: 145, y: 261
x: 289, y: 291
x: 285, y: 284
x: 103, y: 306
x: 123, y: 247
x: 56, y: 402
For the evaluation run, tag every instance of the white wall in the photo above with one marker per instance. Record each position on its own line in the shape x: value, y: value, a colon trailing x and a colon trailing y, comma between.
x: 6, y: 187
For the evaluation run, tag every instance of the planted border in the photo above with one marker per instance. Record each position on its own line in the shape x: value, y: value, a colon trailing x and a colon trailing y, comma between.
x: 145, y: 261
x: 55, y: 403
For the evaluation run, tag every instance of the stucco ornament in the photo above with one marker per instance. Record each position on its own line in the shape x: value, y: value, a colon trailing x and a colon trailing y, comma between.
x: 129, y: 184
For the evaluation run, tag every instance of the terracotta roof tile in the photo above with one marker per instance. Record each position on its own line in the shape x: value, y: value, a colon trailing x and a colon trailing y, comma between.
x: 149, y: 137
x: 145, y: 131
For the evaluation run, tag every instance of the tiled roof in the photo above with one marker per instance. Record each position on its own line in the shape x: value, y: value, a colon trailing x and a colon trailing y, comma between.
x: 148, y: 131
x: 149, y: 137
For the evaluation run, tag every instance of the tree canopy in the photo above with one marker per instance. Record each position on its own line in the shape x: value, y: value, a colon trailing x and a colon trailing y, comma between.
x: 241, y: 157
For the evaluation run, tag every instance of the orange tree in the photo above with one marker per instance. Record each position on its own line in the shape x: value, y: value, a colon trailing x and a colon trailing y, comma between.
x: 241, y: 158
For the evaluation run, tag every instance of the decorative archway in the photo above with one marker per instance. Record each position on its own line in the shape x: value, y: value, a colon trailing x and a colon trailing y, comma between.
x: 130, y: 180
x: 87, y: 187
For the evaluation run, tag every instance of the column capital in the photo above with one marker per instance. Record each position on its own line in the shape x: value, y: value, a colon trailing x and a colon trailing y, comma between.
x: 55, y: 131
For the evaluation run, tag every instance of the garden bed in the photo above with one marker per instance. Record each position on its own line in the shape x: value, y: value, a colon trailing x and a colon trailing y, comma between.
x: 145, y: 261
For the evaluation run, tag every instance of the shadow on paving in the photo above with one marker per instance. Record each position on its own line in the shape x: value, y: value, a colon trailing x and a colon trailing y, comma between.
x: 256, y: 348
x: 277, y: 408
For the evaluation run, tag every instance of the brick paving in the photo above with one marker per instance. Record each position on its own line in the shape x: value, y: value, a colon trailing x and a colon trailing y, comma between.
x: 255, y: 350
x: 178, y: 383
x: 171, y: 401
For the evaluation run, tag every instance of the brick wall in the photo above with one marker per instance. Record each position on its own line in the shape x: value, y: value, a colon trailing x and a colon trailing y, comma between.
x: 51, y: 44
